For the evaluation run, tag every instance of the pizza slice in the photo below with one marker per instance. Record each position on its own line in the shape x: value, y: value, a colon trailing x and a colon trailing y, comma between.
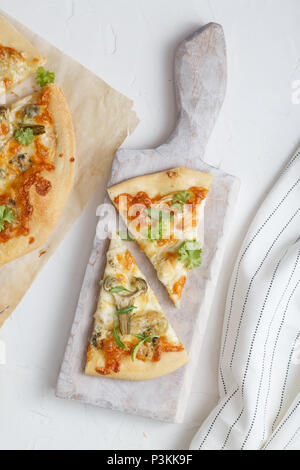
x: 37, y: 148
x: 18, y: 58
x: 165, y: 214
x: 132, y: 339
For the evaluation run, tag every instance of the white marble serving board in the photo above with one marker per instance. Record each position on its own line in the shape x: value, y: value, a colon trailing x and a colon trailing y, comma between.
x: 200, y: 77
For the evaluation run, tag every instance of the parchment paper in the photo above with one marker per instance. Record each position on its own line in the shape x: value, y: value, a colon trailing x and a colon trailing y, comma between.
x: 102, y: 119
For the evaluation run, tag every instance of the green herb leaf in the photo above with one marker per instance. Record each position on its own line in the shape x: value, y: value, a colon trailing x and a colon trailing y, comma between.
x: 126, y: 310
x: 190, y: 254
x: 144, y: 339
x: 181, y: 197
x: 125, y: 236
x: 117, y: 289
x: 118, y: 339
x: 44, y: 77
x: 24, y: 136
x: 6, y: 215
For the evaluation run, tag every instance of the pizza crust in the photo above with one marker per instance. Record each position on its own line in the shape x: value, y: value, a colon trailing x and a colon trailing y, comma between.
x: 165, y: 182
x: 10, y: 37
x: 47, y: 209
x: 138, y: 370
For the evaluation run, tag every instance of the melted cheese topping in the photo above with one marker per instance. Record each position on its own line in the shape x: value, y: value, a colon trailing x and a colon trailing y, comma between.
x: 20, y: 165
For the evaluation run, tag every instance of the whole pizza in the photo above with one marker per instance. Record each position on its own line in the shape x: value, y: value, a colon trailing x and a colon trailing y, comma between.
x: 37, y: 151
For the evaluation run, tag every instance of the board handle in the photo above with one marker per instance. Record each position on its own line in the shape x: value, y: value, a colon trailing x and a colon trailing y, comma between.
x: 200, y: 81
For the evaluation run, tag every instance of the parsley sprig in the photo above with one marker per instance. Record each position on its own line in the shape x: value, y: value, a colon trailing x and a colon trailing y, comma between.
x: 190, y: 254
x: 24, y: 136
x: 180, y: 199
x: 6, y: 215
x: 44, y: 77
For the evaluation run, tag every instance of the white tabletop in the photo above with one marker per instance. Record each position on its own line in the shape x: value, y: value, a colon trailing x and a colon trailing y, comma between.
x: 130, y: 44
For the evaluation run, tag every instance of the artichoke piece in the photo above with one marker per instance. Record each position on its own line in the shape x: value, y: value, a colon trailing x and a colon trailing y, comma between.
x: 150, y: 323
x: 36, y: 129
x: 31, y: 110
x: 3, y: 110
x: 124, y: 299
x: 124, y: 324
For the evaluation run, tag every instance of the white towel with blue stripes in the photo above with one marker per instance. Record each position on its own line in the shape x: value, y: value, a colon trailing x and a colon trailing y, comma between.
x: 259, y: 370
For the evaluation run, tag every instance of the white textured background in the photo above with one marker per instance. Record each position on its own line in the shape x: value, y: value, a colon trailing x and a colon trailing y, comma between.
x: 130, y: 44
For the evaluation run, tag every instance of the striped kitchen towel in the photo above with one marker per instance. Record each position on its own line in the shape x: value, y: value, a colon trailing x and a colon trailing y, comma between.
x: 259, y: 370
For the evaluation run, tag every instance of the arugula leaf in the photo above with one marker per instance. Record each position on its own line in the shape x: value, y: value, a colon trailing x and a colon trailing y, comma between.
x: 117, y: 289
x: 118, y: 339
x: 6, y: 215
x: 44, y: 77
x: 125, y: 236
x: 190, y: 254
x: 158, y: 214
x: 24, y: 136
x: 144, y: 339
x: 126, y: 310
x: 181, y: 198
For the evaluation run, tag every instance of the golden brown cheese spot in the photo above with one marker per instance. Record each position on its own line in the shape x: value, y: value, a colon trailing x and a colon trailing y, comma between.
x: 14, y: 148
x: 42, y: 152
x: 31, y: 240
x: 12, y: 53
x: 165, y: 346
x: 19, y: 114
x: 43, y: 186
x: 89, y: 354
x: 4, y: 129
x: 172, y: 257
x: 44, y: 98
x: 166, y: 241
x: 126, y: 261
x: 172, y: 173
x: 72, y: 160
x: 178, y: 286
x: 7, y: 83
x: 42, y: 253
x: 45, y: 117
x: 113, y: 356
x: 121, y: 278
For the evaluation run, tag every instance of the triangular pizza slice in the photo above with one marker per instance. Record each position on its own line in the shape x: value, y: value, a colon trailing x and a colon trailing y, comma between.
x: 18, y: 58
x: 165, y: 214
x: 132, y: 338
